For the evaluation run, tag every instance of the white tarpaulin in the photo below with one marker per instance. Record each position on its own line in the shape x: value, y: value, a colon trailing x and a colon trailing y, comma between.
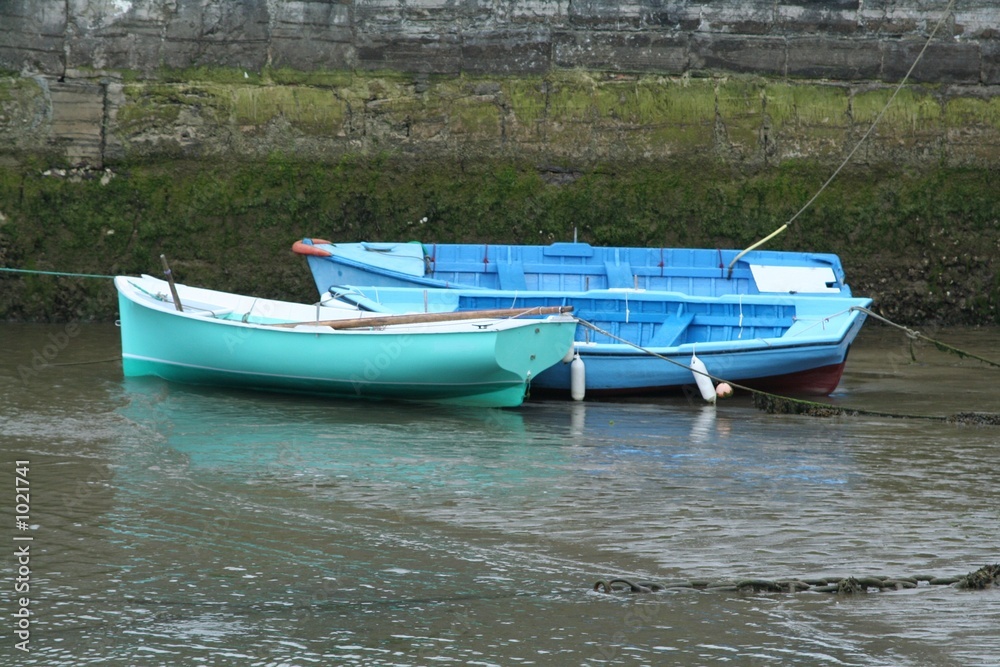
x: 797, y: 279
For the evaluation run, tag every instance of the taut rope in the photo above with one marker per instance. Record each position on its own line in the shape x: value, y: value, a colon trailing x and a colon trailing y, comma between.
x: 854, y: 150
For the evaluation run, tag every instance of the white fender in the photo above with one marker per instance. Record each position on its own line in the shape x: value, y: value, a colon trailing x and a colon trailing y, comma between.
x: 704, y: 382
x: 577, y: 378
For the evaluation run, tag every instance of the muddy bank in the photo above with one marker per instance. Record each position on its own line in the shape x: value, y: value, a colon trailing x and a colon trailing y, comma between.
x: 924, y: 245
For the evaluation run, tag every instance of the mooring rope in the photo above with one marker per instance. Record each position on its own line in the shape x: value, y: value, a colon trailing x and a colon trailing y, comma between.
x: 944, y: 347
x: 985, y: 577
x: 777, y: 404
x: 854, y: 150
x: 56, y: 273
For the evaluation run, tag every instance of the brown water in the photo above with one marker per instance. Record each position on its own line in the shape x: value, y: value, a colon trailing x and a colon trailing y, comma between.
x: 174, y: 525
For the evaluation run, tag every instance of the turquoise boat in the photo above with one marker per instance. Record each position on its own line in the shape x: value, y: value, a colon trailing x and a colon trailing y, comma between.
x: 573, y: 267
x: 632, y: 342
x: 200, y: 336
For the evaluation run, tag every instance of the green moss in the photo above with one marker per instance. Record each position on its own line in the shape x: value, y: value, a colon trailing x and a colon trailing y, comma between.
x: 18, y: 89
x: 160, y: 105
x: 219, y: 75
x: 809, y: 106
x: 913, y: 110
x: 230, y: 226
x: 317, y: 78
x: 572, y: 98
x: 315, y: 110
x: 528, y: 100
x: 475, y: 116
x: 964, y: 112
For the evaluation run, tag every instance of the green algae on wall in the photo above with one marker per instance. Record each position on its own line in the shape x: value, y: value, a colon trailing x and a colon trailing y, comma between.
x: 313, y: 110
x: 926, y: 245
x: 565, y: 116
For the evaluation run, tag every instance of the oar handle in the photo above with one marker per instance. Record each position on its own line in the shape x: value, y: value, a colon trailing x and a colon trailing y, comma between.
x: 170, y: 279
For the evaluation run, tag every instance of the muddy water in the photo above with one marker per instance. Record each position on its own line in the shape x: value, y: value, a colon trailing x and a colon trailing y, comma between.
x: 174, y: 525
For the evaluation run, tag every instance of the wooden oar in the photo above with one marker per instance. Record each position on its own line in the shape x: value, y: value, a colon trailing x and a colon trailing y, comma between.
x: 418, y: 318
x: 170, y: 279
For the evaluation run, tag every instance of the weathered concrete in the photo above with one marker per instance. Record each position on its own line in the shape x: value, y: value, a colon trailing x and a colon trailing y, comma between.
x: 839, y: 39
x: 578, y: 117
x: 94, y: 81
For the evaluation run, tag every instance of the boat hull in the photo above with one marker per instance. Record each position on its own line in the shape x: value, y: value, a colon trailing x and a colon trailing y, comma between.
x: 633, y: 342
x: 812, y: 372
x: 477, y: 364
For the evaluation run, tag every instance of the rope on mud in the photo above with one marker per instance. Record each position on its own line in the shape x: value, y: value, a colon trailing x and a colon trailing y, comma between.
x: 862, y: 140
x: 776, y: 404
x: 86, y: 363
x: 985, y: 577
x: 65, y: 274
x: 914, y: 335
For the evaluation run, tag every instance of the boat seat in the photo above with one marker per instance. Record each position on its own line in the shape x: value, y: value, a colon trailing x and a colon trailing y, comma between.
x: 511, y: 275
x: 619, y: 275
x: 671, y: 331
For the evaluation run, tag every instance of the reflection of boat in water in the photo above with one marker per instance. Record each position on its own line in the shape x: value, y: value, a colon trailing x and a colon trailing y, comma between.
x: 258, y: 435
x: 732, y: 449
x: 329, y: 448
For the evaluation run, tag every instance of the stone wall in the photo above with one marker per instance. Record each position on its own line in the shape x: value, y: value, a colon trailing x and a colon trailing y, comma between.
x: 747, y: 81
x: 847, y: 40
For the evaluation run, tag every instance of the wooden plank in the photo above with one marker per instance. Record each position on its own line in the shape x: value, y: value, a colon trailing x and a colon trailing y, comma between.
x: 419, y: 318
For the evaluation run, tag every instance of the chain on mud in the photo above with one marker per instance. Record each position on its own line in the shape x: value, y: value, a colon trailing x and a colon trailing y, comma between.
x: 985, y: 577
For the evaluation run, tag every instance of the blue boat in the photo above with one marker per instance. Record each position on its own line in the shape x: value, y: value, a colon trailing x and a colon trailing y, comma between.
x: 638, y: 342
x: 572, y: 267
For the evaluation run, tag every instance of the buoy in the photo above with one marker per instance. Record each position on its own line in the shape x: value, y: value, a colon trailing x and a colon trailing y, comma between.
x: 570, y: 353
x: 302, y: 248
x: 577, y: 378
x: 723, y: 390
x: 704, y: 382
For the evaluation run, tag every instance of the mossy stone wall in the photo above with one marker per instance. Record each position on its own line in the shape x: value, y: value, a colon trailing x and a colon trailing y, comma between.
x: 924, y: 245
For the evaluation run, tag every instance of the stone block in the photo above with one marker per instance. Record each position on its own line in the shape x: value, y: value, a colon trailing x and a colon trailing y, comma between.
x: 620, y: 16
x: 943, y: 62
x: 819, y: 57
x: 312, y: 35
x: 429, y: 54
x: 806, y: 17
x: 760, y: 55
x: 77, y: 120
x: 629, y: 52
x: 524, y: 51
x: 990, y: 59
x: 220, y: 34
x: 32, y: 36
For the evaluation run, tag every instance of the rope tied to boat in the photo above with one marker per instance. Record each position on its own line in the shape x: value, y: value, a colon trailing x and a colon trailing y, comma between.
x: 65, y: 274
x: 861, y: 141
x: 984, y: 578
x: 916, y: 335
